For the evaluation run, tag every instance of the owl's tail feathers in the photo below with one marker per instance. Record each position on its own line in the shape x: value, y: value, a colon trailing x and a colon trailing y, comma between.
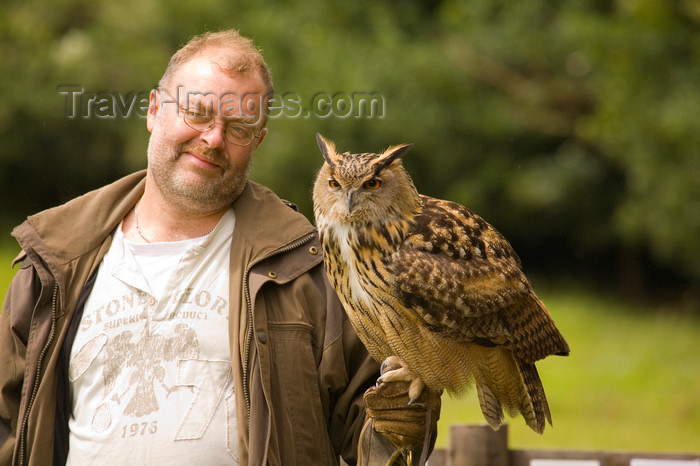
x: 504, y: 382
x: 536, y: 401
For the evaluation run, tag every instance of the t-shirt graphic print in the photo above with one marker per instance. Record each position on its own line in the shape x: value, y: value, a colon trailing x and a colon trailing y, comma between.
x: 150, y: 367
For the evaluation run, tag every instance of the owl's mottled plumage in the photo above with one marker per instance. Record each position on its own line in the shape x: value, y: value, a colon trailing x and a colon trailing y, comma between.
x: 431, y: 282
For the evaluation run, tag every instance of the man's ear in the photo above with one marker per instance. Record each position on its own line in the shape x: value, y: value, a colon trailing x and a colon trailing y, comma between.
x: 152, y: 110
x: 263, y: 132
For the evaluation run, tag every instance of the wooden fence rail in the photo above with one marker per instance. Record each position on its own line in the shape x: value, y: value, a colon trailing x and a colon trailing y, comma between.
x: 479, y: 445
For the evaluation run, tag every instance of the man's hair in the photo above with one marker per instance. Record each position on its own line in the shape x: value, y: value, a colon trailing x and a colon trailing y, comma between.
x: 241, y: 57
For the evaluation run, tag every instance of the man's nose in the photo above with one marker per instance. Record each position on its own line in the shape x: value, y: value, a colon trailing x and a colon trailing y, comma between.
x: 214, y: 136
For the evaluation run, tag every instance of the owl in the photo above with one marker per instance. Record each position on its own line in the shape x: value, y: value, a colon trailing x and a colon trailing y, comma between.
x: 430, y: 284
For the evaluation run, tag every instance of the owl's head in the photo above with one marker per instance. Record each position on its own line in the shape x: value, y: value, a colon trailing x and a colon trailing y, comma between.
x: 363, y: 188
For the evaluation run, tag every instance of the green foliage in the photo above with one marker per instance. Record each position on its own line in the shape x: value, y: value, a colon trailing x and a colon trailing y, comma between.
x: 569, y: 125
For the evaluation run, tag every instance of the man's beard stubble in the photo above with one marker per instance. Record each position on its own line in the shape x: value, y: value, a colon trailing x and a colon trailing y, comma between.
x: 206, y: 196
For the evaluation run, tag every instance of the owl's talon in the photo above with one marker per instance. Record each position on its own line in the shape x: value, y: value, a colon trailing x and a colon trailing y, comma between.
x: 415, y: 389
x: 397, y: 375
x: 391, y: 363
x: 393, y: 369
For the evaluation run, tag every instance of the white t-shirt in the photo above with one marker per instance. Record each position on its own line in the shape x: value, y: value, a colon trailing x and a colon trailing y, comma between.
x: 150, y: 368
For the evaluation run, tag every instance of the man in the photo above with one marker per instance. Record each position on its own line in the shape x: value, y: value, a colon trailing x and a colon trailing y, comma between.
x: 183, y: 315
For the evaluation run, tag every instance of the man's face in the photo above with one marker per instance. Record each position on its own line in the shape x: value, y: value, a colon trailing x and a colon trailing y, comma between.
x: 202, y: 172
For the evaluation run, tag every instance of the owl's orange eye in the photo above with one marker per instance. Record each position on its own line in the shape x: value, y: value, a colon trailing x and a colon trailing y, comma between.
x: 333, y: 184
x: 372, y: 183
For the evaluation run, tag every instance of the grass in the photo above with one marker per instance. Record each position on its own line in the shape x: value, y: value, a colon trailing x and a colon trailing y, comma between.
x: 632, y: 381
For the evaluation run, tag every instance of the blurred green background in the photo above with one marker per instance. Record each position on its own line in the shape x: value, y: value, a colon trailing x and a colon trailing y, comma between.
x: 572, y: 126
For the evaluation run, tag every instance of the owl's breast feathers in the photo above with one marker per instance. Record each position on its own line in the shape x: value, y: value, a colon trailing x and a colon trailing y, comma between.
x: 462, y: 279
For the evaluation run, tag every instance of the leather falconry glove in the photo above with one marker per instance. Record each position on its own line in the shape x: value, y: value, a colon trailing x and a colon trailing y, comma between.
x: 403, y: 424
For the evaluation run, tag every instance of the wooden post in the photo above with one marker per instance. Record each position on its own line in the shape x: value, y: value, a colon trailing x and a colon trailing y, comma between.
x: 478, y: 445
x: 439, y: 457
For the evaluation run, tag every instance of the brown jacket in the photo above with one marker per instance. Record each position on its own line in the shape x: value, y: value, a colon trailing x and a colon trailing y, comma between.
x: 295, y: 358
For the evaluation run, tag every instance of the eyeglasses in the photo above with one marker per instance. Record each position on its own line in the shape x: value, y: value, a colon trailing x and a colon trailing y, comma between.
x: 238, y: 133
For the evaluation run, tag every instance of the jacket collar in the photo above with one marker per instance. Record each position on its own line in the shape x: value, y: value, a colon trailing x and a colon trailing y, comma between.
x: 266, y: 223
x: 71, y: 230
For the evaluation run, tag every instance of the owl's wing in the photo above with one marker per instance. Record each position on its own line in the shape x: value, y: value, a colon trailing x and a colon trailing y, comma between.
x: 461, y: 277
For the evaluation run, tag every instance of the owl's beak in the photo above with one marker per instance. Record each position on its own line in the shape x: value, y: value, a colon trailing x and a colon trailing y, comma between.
x: 351, y: 200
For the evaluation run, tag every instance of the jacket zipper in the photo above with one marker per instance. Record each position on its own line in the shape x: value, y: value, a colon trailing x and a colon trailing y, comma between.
x: 250, y: 330
x: 35, y: 389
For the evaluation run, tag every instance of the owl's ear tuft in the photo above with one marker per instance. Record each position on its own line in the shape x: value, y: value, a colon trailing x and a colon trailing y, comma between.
x: 327, y: 148
x: 389, y: 155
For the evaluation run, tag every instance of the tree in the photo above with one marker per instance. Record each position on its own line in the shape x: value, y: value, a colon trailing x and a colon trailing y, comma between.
x: 569, y: 125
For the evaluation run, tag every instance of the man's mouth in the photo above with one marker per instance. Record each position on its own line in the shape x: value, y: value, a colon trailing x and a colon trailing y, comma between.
x: 200, y: 161
x: 203, y: 158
